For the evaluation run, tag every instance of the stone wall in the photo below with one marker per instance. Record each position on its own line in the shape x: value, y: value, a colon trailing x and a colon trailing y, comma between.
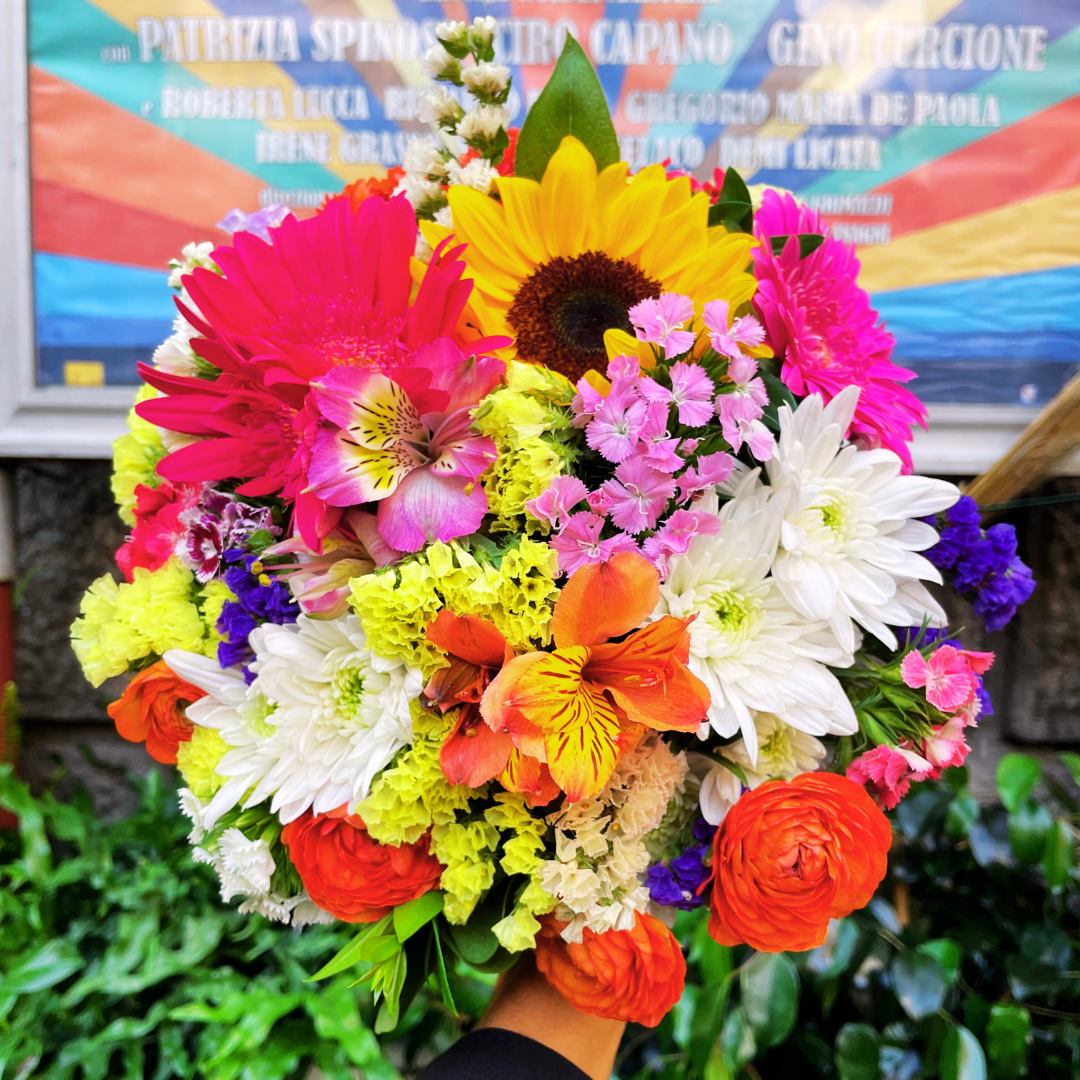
x: 67, y: 531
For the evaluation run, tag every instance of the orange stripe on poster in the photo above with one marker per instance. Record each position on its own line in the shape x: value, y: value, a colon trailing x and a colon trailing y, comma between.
x: 81, y: 142
x: 1033, y: 157
x: 86, y: 226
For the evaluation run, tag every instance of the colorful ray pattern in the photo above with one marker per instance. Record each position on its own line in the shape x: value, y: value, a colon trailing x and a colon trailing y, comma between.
x: 977, y: 279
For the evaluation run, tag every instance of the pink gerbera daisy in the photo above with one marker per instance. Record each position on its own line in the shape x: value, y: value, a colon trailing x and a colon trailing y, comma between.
x: 821, y: 325
x: 332, y: 291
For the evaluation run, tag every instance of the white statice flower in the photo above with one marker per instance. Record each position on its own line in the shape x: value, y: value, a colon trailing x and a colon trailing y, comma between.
x: 241, y: 716
x: 487, y: 80
x: 457, y: 33
x: 848, y: 543
x: 600, y: 855
x: 481, y: 125
x: 420, y: 191
x: 191, y: 255
x: 341, y: 712
x: 439, y: 64
x: 748, y: 645
x: 643, y: 784
x: 783, y: 751
x: 482, y: 32
x: 479, y: 174
x: 438, y: 106
x: 444, y: 216
x: 424, y: 157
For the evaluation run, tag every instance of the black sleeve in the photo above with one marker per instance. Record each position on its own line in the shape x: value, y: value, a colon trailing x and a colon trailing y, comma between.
x: 495, y: 1054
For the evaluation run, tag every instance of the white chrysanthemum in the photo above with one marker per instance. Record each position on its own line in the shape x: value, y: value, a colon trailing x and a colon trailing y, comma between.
x: 240, y: 715
x: 748, y: 645
x: 848, y: 542
x: 341, y: 711
x: 783, y: 751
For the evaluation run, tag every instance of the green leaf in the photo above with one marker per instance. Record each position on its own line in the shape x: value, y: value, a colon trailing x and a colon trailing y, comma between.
x: 440, y: 972
x: 737, y: 1041
x: 1016, y: 776
x: 919, y: 983
x: 1071, y: 762
x: 962, y: 814
x: 416, y: 914
x: 962, y: 1057
x: 392, y: 981
x: 770, y: 996
x: 353, y: 952
x: 947, y: 954
x: 707, y: 1020
x: 857, y: 1052
x: 1059, y: 855
x: 833, y: 958
x: 733, y: 209
x: 572, y: 103
x: 1008, y: 1032
x: 808, y: 243
x: 49, y: 965
x: 1028, y: 828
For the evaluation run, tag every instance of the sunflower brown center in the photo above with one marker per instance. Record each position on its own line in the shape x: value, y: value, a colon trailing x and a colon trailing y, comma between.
x: 564, y: 307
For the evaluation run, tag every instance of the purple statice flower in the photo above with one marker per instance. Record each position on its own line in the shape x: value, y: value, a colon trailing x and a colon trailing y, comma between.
x: 258, y: 224
x: 259, y: 599
x: 984, y: 565
x: 677, y: 884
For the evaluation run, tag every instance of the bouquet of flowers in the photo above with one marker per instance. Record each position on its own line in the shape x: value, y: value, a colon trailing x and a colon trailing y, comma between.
x: 523, y: 551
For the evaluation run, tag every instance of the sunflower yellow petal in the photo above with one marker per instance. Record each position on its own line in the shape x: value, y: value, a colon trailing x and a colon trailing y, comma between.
x: 481, y: 222
x: 679, y: 193
x: 620, y: 343
x: 567, y: 195
x: 631, y: 219
x: 611, y: 183
x: 678, y: 239
x: 521, y: 201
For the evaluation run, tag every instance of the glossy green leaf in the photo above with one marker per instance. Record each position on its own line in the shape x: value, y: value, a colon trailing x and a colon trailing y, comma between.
x: 857, y: 1052
x: 572, y: 103
x: 737, y: 1040
x: 49, y: 965
x: 353, y: 952
x: 707, y: 1020
x: 833, y: 958
x: 808, y: 243
x: 1028, y: 829
x: 1059, y: 855
x: 440, y: 972
x: 963, y: 812
x: 947, y: 954
x: 770, y: 997
x: 416, y: 914
x: 1008, y: 1032
x: 1016, y: 777
x: 920, y: 984
x: 734, y: 209
x: 962, y: 1057
x: 1071, y: 762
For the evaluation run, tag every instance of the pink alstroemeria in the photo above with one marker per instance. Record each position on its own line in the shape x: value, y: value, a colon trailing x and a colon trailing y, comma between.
x: 726, y: 338
x: 579, y: 543
x: 556, y: 504
x: 407, y: 442
x: 656, y: 446
x: 887, y: 771
x: 740, y: 423
x: 614, y: 429
x: 320, y: 582
x: 712, y: 469
x: 675, y: 536
x: 948, y: 746
x: 638, y: 495
x: 659, y: 321
x: 949, y: 675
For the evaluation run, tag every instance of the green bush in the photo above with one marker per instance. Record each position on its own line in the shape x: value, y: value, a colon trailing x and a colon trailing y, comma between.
x: 119, y: 960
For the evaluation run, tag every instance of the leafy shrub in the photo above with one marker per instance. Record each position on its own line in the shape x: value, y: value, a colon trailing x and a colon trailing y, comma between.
x: 119, y: 960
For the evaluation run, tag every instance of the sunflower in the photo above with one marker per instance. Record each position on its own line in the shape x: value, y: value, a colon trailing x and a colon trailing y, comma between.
x: 556, y: 264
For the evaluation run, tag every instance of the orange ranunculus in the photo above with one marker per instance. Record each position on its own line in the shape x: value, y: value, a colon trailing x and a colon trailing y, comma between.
x: 579, y: 707
x: 792, y: 855
x: 152, y: 711
x: 355, y: 878
x: 634, y: 975
x: 473, y: 753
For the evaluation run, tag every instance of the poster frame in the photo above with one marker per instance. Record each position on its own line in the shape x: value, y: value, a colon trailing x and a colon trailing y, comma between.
x: 81, y: 422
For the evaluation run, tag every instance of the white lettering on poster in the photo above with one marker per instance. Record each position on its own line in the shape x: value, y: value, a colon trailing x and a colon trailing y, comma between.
x: 190, y: 39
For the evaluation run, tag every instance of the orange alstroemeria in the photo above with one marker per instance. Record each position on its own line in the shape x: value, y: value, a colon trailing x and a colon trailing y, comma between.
x: 474, y: 753
x: 579, y: 707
